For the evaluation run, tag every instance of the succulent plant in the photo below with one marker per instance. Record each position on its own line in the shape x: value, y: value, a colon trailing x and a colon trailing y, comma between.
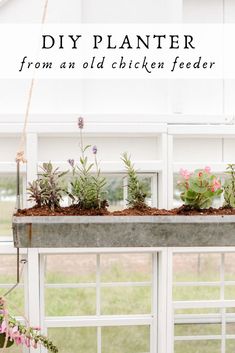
x: 229, y: 187
x: 136, y: 193
x: 48, y: 189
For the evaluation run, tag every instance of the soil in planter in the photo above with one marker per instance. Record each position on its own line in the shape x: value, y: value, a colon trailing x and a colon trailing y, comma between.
x: 73, y: 210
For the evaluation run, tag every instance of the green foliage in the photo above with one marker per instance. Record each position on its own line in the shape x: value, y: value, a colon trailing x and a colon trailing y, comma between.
x: 48, y: 189
x: 229, y: 187
x: 136, y: 188
x: 199, y: 188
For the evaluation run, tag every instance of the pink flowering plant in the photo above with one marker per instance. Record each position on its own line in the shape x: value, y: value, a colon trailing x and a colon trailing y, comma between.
x: 199, y: 188
x: 14, y: 332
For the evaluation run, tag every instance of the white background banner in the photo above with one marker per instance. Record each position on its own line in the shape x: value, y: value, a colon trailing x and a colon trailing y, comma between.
x: 147, y: 51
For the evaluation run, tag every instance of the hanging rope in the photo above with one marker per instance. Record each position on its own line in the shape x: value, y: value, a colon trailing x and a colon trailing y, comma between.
x: 20, y: 156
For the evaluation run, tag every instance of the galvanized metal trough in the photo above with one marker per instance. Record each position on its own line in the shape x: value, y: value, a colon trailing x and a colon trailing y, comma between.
x: 123, y: 231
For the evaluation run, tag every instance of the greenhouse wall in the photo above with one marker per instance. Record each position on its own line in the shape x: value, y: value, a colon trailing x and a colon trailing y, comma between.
x: 136, y: 300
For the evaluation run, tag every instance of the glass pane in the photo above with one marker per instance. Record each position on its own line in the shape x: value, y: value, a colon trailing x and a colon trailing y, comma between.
x: 229, y: 292
x: 197, y: 329
x: 70, y: 268
x: 8, y: 269
x: 126, y: 267
x: 147, y: 181
x: 230, y: 346
x: 196, y: 267
x: 125, y: 300
x: 70, y: 301
x: 8, y: 276
x: 16, y: 349
x: 196, y: 293
x: 71, y: 340
x: 208, y: 346
x: 230, y: 328
x: 198, y: 311
x: 7, y: 202
x: 126, y: 339
x: 114, y: 190
x: 229, y: 267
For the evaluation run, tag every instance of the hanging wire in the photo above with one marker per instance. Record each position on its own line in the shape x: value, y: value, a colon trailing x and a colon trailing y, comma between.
x: 19, y: 273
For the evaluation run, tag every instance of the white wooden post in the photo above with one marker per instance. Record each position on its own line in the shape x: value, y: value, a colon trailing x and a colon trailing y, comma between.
x: 163, y: 175
x: 33, y: 284
x: 162, y: 302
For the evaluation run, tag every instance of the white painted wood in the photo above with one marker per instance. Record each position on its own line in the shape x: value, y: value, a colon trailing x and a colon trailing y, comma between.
x: 33, y: 290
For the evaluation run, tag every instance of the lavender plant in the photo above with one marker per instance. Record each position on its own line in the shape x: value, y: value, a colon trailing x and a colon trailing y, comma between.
x: 229, y: 187
x: 136, y: 194
x: 87, y: 188
x: 198, y: 189
x: 48, y: 190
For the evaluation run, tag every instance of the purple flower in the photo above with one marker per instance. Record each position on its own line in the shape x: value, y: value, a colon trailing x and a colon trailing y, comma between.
x: 94, y: 149
x: 80, y: 123
x: 71, y: 162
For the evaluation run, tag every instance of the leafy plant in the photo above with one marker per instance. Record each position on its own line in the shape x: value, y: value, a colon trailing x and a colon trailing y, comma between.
x: 48, y: 189
x: 199, y: 188
x: 14, y: 332
x: 229, y: 187
x: 136, y: 194
x: 87, y: 188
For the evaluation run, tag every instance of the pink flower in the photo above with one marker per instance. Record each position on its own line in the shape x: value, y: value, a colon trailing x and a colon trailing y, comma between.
x: 3, y: 326
x: 34, y: 344
x: 200, y: 174
x: 27, y: 342
x: 185, y: 173
x: 215, y: 185
x: 19, y: 339
x: 36, y: 328
x: 13, y: 332
x: 207, y: 169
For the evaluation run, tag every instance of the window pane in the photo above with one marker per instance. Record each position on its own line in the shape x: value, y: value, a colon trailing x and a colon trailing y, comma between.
x: 196, y: 293
x: 197, y: 329
x: 114, y: 192
x: 230, y: 346
x: 230, y: 328
x: 16, y: 349
x: 198, y: 311
x: 229, y: 292
x: 126, y: 339
x: 7, y: 202
x: 125, y: 300
x: 229, y: 267
x: 8, y: 276
x: 209, y: 346
x: 126, y: 267
x: 71, y: 340
x: 70, y: 301
x: 196, y: 267
x: 70, y: 268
